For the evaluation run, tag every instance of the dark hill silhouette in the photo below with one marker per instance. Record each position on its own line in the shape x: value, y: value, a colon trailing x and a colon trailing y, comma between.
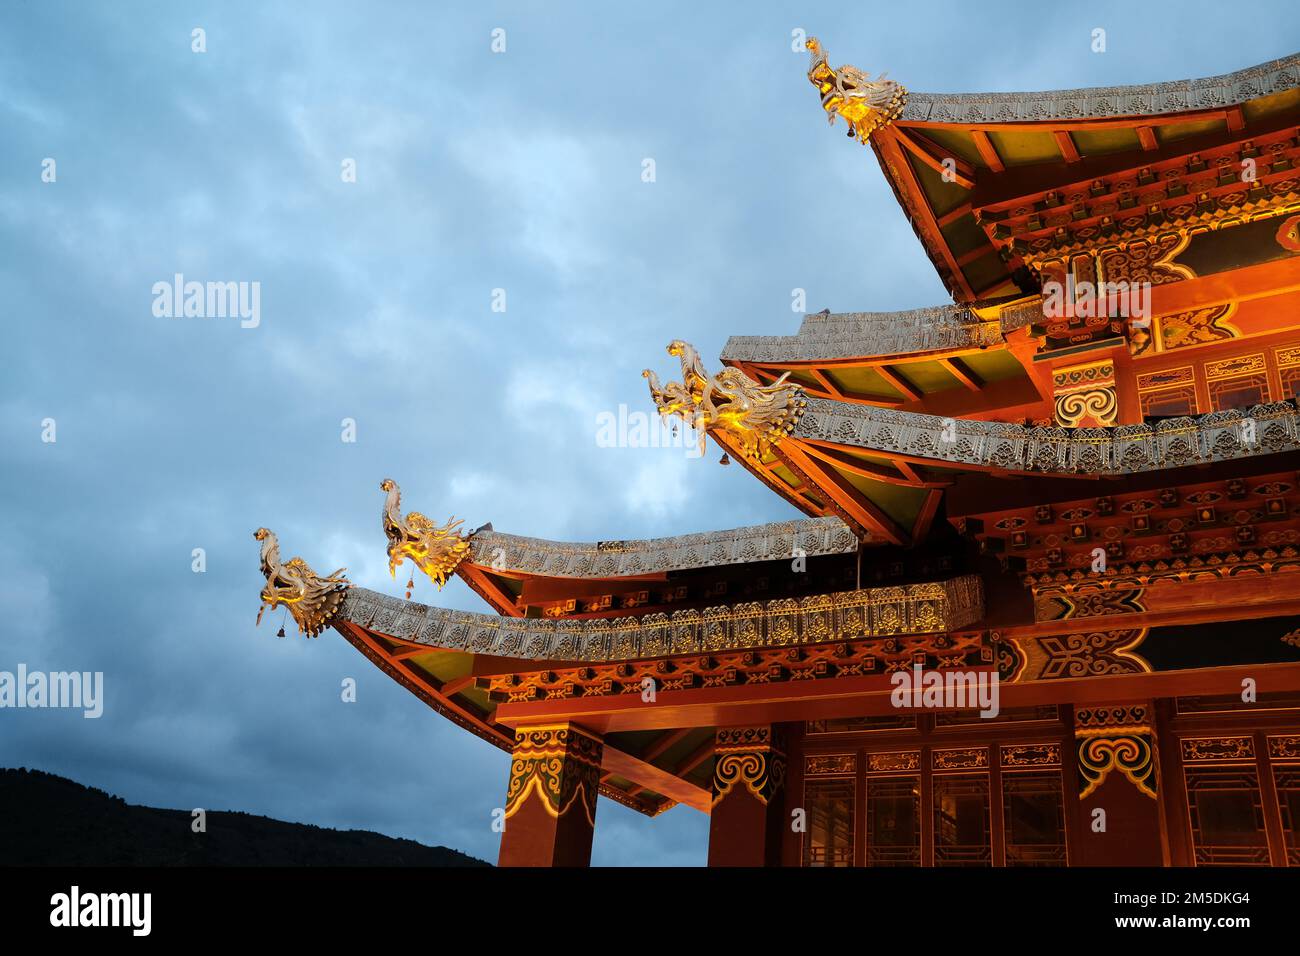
x: 46, y: 820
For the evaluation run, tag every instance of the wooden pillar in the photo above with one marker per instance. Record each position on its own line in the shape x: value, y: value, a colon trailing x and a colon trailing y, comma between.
x: 746, y: 823
x: 550, y: 806
x: 1120, y: 823
x: 791, y: 841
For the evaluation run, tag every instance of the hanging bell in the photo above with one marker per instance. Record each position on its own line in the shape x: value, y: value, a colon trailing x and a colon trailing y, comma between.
x: 725, y: 459
x: 280, y: 632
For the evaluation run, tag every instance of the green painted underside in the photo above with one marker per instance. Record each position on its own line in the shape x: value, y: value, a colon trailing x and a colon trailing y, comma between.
x: 863, y: 381
x: 1025, y: 148
x: 994, y: 365
x: 1176, y: 131
x: 957, y: 142
x: 449, y: 665
x: 1267, y: 106
x: 900, y: 502
x: 942, y: 196
x: 1102, y: 141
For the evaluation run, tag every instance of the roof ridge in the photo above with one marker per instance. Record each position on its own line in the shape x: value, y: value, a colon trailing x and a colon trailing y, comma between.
x: 1170, y: 96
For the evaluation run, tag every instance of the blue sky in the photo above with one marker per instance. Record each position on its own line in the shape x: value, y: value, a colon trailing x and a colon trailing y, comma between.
x: 475, y: 171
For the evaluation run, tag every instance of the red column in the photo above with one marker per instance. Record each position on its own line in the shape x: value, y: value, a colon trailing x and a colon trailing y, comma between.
x: 1118, y: 769
x: 746, y: 824
x: 550, y: 806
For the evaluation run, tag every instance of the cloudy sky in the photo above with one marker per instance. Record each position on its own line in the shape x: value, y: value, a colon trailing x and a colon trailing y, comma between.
x: 475, y: 171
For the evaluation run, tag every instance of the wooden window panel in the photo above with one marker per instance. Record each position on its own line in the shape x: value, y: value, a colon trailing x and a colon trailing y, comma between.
x: 961, y: 820
x: 1241, y: 392
x: 1287, y: 781
x: 1227, y: 816
x: 830, y: 806
x: 894, y: 820
x: 1290, y: 378
x: 1034, y: 811
x: 1168, y: 402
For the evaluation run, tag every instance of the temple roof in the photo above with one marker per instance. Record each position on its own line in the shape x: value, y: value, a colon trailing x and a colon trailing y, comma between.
x: 992, y: 182
x: 607, y: 559
x: 464, y: 664
x: 853, y: 334
x: 885, y: 611
x: 1149, y: 99
x: 1117, y: 450
x: 884, y: 471
x: 847, y: 335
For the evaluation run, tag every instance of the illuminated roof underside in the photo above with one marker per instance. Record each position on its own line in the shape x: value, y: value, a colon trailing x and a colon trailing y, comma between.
x: 963, y: 166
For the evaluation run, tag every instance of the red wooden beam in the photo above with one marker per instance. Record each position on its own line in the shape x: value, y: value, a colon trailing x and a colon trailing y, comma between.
x: 949, y: 218
x: 869, y: 695
x: 888, y: 147
x: 987, y: 150
x: 649, y: 777
x: 893, y: 378
x: 963, y: 373
x: 695, y: 758
x: 952, y: 168
x: 665, y: 743
x: 1065, y: 143
x: 905, y: 475
x: 502, y: 601
x: 925, y: 518
x: 834, y: 485
x: 826, y: 383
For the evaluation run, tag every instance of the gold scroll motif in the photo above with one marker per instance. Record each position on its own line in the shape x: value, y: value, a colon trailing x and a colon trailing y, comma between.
x: 1063, y: 603
x: 897, y: 762
x: 436, y: 551
x: 1284, y: 747
x: 1094, y: 654
x: 560, y: 765
x: 1192, y: 327
x: 753, y: 417
x: 312, y: 600
x: 1214, y: 749
x: 1031, y: 755
x: 1115, y: 738
x: 866, y: 104
x: 1131, y: 754
x: 748, y: 757
x: 965, y: 758
x: 822, y: 765
x: 1148, y: 261
x: 1085, y: 395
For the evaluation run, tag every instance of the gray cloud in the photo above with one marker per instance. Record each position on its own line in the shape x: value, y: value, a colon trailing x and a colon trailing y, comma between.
x: 519, y: 171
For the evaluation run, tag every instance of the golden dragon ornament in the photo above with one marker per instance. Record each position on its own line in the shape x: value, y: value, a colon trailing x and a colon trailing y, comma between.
x: 434, y: 550
x: 312, y: 600
x: 865, y: 104
x: 751, y: 416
